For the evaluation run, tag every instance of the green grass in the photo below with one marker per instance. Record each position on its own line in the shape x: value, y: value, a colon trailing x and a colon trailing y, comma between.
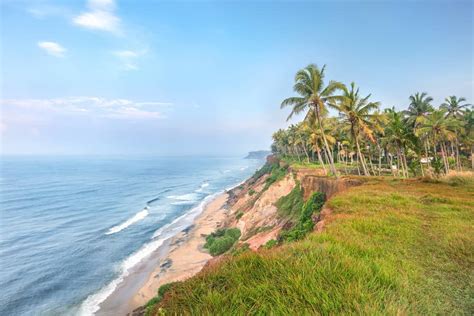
x: 221, y: 240
x: 289, y: 206
x: 389, y: 248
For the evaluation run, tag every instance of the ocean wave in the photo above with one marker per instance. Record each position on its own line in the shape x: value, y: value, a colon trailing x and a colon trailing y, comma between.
x: 184, y: 197
x: 137, y: 217
x: 244, y: 168
x: 92, y: 303
x: 182, y: 203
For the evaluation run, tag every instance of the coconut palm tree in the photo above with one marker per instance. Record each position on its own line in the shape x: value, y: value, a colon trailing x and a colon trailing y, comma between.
x: 441, y: 128
x: 454, y: 107
x: 313, y: 96
x: 398, y: 136
x: 356, y: 112
x: 420, y: 106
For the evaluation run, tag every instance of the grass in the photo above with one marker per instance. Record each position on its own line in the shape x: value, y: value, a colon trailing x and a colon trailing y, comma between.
x: 390, y: 247
x: 289, y: 206
x: 221, y: 240
x: 305, y: 222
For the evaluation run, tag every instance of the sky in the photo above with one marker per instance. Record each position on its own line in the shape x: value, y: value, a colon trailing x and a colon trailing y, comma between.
x: 105, y: 77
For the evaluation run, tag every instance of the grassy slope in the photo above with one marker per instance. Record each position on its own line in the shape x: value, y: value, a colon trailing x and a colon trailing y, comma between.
x: 390, y: 247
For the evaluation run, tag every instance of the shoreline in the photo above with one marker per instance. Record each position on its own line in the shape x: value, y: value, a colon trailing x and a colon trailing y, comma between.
x: 186, y: 255
x: 180, y: 256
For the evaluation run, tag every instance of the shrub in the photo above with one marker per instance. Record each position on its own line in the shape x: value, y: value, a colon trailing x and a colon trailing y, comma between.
x: 270, y: 244
x: 277, y: 173
x: 221, y: 240
x: 305, y: 222
x: 251, y: 192
x: 239, y: 215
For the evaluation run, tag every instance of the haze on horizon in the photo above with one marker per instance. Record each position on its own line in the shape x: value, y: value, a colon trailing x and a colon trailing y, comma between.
x: 128, y: 77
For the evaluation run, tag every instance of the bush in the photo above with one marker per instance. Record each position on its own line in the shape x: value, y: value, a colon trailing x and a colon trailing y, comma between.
x: 305, y: 222
x: 270, y: 244
x: 251, y: 192
x: 277, y: 173
x: 239, y: 215
x: 221, y: 240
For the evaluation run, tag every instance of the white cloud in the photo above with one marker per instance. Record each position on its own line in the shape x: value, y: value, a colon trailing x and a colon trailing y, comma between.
x: 128, y: 58
x: 101, y: 16
x: 52, y: 48
x: 91, y: 106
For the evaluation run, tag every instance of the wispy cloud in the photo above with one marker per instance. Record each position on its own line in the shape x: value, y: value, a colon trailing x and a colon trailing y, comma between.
x: 128, y: 58
x: 52, y: 48
x: 100, y: 16
x: 92, y: 106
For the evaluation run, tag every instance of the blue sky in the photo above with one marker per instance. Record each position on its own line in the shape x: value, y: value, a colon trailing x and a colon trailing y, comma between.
x: 194, y: 77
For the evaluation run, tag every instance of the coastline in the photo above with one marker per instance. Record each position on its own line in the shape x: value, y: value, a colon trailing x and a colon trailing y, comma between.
x: 186, y: 256
x: 179, y: 257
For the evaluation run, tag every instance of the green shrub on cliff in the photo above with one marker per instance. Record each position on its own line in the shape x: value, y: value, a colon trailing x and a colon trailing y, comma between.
x: 290, y: 205
x: 221, y: 240
x: 277, y: 173
x: 305, y: 222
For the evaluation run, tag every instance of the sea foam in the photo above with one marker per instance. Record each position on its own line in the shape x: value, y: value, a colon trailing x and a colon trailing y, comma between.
x: 137, y: 217
x: 92, y: 303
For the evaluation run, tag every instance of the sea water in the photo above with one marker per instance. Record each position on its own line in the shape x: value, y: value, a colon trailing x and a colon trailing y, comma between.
x: 71, y: 228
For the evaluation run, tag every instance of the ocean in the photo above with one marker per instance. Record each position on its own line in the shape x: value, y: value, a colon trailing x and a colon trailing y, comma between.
x: 72, y: 228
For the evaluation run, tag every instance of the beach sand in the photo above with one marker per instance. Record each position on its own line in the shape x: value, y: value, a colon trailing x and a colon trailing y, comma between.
x: 186, y: 255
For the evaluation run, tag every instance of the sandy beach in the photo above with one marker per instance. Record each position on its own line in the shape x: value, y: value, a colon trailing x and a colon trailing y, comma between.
x: 186, y: 255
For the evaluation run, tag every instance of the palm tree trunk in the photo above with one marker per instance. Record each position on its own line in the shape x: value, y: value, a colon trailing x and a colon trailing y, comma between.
x: 380, y: 158
x: 458, y: 159
x: 328, y: 150
x: 306, y: 152
x: 318, y: 151
x: 361, y: 159
x: 391, y: 165
x: 445, y: 160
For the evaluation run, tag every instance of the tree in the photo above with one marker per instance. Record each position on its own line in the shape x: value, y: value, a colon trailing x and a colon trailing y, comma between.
x: 441, y: 128
x: 313, y: 96
x: 355, y: 111
x: 455, y: 109
x: 420, y: 106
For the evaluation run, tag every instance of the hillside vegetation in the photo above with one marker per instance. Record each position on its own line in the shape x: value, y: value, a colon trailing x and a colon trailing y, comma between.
x: 389, y: 246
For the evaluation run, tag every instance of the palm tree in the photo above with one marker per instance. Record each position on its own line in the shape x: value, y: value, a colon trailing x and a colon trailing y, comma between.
x: 398, y: 136
x: 420, y: 106
x: 442, y: 129
x: 355, y: 111
x: 455, y: 109
x: 314, y: 95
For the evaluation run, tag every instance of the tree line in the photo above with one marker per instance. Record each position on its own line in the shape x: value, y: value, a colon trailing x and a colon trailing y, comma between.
x: 366, y: 140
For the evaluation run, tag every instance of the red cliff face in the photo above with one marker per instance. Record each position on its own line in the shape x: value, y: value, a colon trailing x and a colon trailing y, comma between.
x: 314, y: 180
